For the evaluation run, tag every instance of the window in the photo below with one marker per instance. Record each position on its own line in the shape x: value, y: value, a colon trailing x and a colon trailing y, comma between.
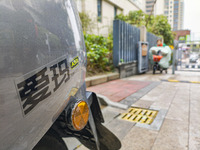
x: 166, y: 12
x: 149, y: 6
x: 99, y: 10
x: 175, y: 16
x: 175, y: 11
x: 176, y: 6
x: 115, y: 11
x: 149, y: 2
x: 175, y: 25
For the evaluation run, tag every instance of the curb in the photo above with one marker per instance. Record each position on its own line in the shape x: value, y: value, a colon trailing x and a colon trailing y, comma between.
x: 106, y: 101
x: 181, y: 81
x: 91, y: 81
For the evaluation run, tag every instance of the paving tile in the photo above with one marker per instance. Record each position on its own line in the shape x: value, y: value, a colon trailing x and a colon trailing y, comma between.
x: 194, y: 138
x: 179, y: 109
x: 120, y: 127
x: 118, y: 90
x: 141, y: 139
x: 164, y: 100
x: 172, y: 136
x: 194, y: 134
x: 152, y: 95
x: 142, y: 104
x: 140, y: 93
x: 178, y: 112
x: 113, y: 109
x: 109, y: 114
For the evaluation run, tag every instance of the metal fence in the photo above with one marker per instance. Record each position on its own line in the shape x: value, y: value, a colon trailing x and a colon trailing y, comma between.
x: 151, y: 39
x: 125, y: 40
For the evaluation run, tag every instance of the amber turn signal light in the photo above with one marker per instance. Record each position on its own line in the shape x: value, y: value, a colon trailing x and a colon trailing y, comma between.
x: 80, y: 115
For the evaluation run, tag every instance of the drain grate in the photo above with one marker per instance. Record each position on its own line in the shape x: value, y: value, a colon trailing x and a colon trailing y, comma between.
x: 140, y: 115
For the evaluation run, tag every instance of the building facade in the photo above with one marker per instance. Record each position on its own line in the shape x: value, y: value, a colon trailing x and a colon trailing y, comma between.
x: 158, y: 7
x: 181, y: 15
x: 173, y: 9
x: 169, y: 11
x: 149, y: 7
x: 103, y: 12
x: 182, y: 34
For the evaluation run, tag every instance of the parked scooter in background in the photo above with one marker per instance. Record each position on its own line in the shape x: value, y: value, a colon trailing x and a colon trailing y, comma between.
x: 160, y: 56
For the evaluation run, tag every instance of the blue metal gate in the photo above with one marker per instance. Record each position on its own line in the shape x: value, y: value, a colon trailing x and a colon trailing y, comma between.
x: 125, y: 40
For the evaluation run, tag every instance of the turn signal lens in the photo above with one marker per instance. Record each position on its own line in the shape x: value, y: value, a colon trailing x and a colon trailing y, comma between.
x: 80, y: 115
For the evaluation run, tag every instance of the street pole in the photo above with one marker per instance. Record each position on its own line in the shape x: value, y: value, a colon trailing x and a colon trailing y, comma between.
x: 151, y: 12
x: 174, y: 57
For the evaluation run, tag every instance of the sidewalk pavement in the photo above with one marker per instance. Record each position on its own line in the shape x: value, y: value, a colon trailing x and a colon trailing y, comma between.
x: 180, y: 129
x: 178, y: 125
x: 181, y: 125
x: 118, y: 90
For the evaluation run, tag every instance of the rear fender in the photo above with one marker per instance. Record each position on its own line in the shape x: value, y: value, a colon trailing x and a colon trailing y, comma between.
x: 95, y: 107
x: 94, y: 136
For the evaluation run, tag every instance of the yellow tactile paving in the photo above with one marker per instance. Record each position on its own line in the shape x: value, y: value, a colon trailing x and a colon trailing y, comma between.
x: 173, y: 81
x: 198, y: 82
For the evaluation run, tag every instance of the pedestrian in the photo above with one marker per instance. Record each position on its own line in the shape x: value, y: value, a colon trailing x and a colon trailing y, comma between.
x: 160, y: 42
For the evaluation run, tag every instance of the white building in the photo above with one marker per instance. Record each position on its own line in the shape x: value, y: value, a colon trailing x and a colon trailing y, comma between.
x: 174, y: 10
x: 178, y: 14
x: 158, y: 7
x: 169, y: 11
x: 103, y: 12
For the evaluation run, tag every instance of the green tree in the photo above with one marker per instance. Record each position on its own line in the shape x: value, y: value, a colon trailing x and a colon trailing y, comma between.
x: 121, y: 17
x: 157, y: 25
x: 161, y: 27
x: 136, y: 18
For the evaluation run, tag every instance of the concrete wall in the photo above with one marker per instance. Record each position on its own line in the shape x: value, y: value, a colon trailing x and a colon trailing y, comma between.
x: 159, y: 7
x: 105, y: 26
x: 79, y: 5
x: 126, y: 5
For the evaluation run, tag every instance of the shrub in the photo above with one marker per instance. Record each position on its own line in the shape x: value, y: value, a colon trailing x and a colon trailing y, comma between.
x: 99, y: 53
x: 86, y: 22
